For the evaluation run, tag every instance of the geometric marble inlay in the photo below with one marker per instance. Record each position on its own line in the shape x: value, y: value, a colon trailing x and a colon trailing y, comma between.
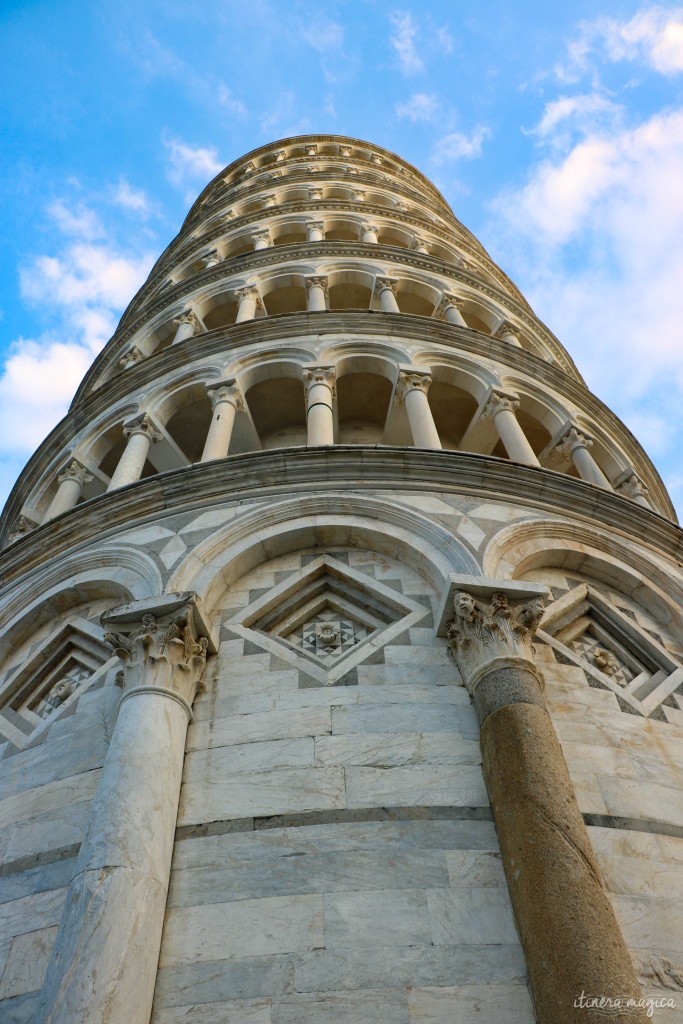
x: 614, y: 650
x: 327, y: 618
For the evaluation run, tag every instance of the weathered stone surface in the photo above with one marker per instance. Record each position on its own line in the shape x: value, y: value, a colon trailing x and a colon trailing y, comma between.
x: 472, y: 915
x: 371, y: 1007
x: 271, y: 725
x: 395, y: 718
x: 389, y: 750
x: 470, y: 1004
x: 238, y: 1011
x: 275, y: 792
x: 216, y: 763
x: 25, y: 967
x: 449, y: 785
x: 214, y: 981
x: 388, y: 917
x: 247, y: 928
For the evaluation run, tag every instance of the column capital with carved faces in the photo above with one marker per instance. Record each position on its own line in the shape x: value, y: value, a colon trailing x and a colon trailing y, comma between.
x: 501, y: 401
x: 448, y: 300
x: 188, y: 317
x: 315, y: 225
x: 163, y: 643
x: 573, y: 438
x: 225, y: 391
x: 633, y: 487
x: 504, y: 329
x: 74, y: 471
x: 316, y: 281
x: 490, y: 624
x: 324, y: 373
x: 344, y: 150
x: 386, y: 284
x: 315, y: 192
x: 262, y: 235
x: 249, y: 291
x: 131, y: 358
x: 412, y: 380
x: 142, y: 424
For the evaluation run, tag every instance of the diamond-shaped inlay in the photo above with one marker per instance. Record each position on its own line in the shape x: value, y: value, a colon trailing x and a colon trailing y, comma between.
x: 328, y: 619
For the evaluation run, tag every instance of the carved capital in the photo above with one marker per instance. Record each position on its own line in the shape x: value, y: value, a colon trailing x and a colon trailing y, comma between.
x: 504, y: 329
x: 188, y: 317
x: 316, y: 282
x: 211, y: 258
x: 386, y: 284
x: 419, y: 244
x: 448, y: 300
x: 269, y: 200
x: 315, y: 225
x: 574, y: 438
x: 248, y: 292
x: 76, y: 472
x: 248, y: 168
x: 367, y: 226
x: 412, y: 380
x: 162, y: 647
x: 225, y: 391
x: 324, y: 374
x: 499, y: 401
x: 279, y: 155
x: 262, y: 236
x: 142, y: 424
x: 315, y: 192
x: 494, y: 632
x: 20, y: 528
x: 311, y: 150
x: 376, y: 159
x: 131, y: 357
x: 359, y: 195
x: 633, y: 487
x: 345, y: 151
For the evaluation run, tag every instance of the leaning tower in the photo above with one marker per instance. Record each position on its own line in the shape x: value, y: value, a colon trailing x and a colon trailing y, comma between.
x: 340, y: 657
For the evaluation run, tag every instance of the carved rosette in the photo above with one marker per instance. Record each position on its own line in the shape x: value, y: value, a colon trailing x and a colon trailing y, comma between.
x: 484, y: 635
x: 162, y: 655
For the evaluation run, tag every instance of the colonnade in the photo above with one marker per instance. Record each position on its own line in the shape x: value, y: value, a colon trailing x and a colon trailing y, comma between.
x: 319, y: 380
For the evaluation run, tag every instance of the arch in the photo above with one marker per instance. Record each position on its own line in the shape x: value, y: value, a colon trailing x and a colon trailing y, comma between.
x: 523, y: 547
x: 115, y: 572
x: 319, y: 521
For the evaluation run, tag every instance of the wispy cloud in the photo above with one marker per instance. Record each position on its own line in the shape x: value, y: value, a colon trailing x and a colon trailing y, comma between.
x: 83, y: 286
x: 402, y: 40
x: 135, y: 200
x: 323, y: 35
x: 420, y: 106
x: 653, y: 36
x: 190, y: 164
x: 230, y: 102
x: 458, y: 146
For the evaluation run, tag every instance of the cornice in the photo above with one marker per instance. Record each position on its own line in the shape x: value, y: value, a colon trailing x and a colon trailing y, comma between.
x: 284, y: 328
x: 285, y: 472
x: 301, y: 140
x: 264, y: 258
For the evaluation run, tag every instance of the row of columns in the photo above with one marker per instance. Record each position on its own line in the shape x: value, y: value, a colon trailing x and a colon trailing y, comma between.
x: 320, y: 390
x: 249, y: 301
x: 103, y: 963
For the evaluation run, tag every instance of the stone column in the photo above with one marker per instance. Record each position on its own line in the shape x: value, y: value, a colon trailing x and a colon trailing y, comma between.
x: 269, y: 201
x: 141, y: 433
x: 501, y: 409
x: 188, y: 326
x: 227, y: 402
x: 315, y: 193
x: 634, y: 488
x: 319, y: 382
x: 316, y: 288
x: 368, y: 233
x: 104, y: 961
x: 412, y: 390
x: 131, y: 358
x: 279, y: 155
x: 507, y: 332
x: 420, y: 246
x: 576, y: 444
x: 261, y: 239
x: 249, y: 300
x: 570, y: 936
x: 69, y: 491
x: 386, y: 289
x: 358, y: 195
x: 449, y: 308
x: 211, y: 259
x: 344, y: 151
x: 315, y: 231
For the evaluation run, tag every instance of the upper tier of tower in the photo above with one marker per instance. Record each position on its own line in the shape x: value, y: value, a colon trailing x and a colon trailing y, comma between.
x: 321, y: 292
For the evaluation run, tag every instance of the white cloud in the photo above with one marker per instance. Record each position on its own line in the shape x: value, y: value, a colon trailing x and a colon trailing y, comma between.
x: 420, y: 106
x: 583, y: 112
x: 133, y: 199
x: 323, y: 35
x: 231, y: 104
x: 80, y: 220
x: 653, y: 36
x: 402, y: 40
x: 444, y: 40
x: 188, y: 163
x: 457, y: 146
x: 595, y: 241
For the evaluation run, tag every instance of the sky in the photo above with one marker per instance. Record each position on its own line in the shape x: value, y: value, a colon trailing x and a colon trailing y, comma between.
x: 555, y: 132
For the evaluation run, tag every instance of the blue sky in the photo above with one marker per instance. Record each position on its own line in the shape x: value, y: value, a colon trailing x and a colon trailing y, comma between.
x: 554, y: 131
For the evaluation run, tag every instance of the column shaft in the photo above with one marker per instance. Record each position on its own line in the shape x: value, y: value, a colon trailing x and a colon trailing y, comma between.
x: 514, y: 438
x: 387, y: 295
x: 69, y: 491
x: 132, y: 461
x: 319, y: 413
x: 422, y: 426
x: 104, y: 963
x: 220, y: 432
x: 453, y: 315
x: 248, y: 302
x: 316, y: 294
x: 588, y: 467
